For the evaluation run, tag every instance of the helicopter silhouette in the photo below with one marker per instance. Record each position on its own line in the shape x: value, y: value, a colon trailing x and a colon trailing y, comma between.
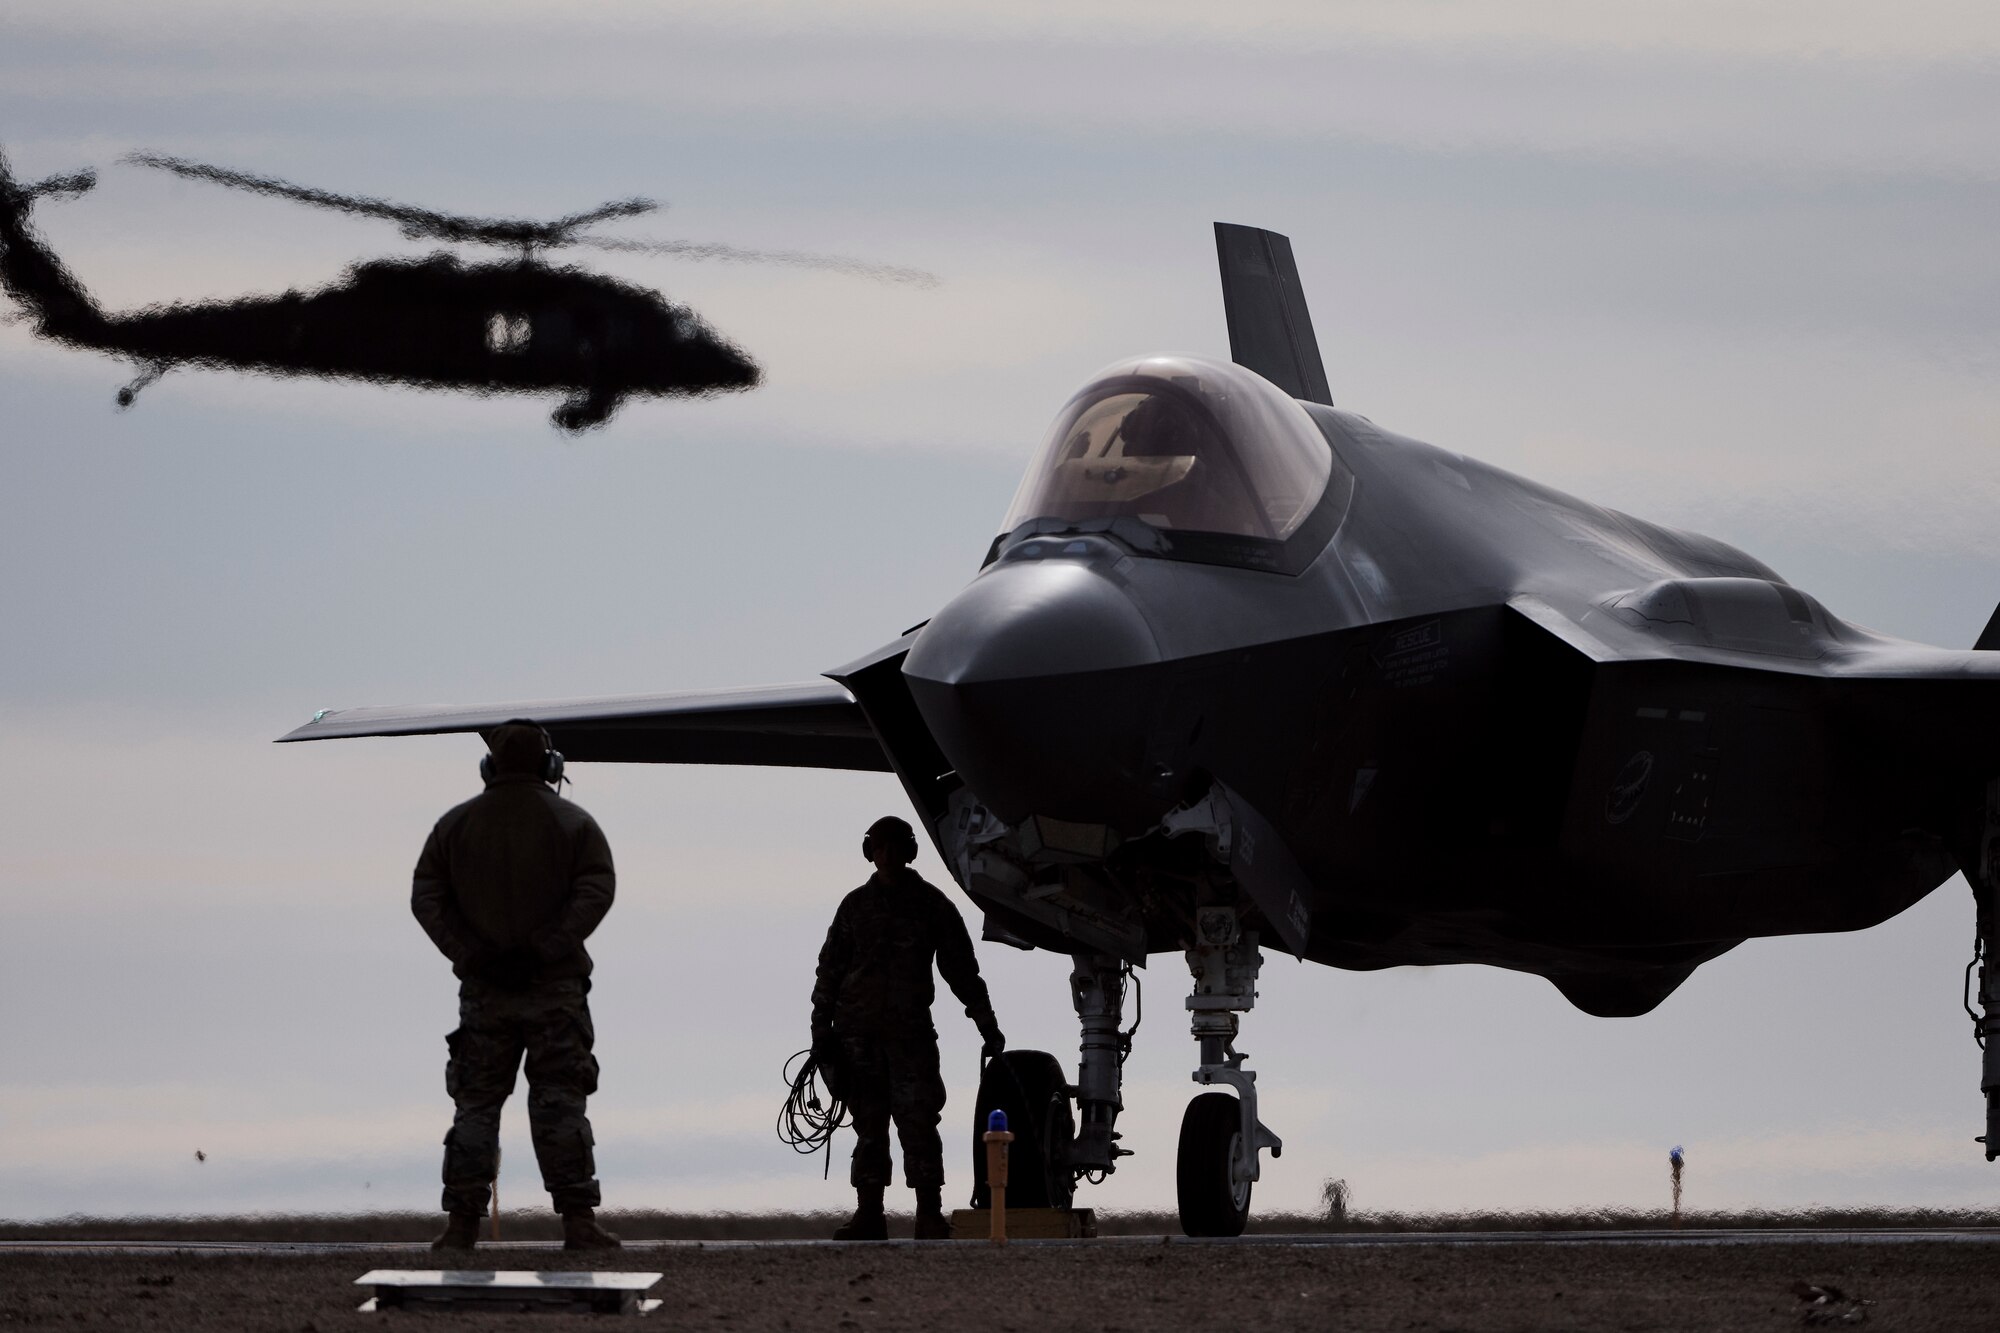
x: 513, y: 326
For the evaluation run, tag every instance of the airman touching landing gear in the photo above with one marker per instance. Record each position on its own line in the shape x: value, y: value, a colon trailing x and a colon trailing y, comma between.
x: 872, y: 1025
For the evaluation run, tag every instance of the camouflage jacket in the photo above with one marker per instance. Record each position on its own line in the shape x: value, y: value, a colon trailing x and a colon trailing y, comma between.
x: 514, y: 868
x: 875, y: 968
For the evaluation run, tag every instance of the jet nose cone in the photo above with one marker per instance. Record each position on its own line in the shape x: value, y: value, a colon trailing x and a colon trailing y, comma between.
x: 1033, y: 618
x: 1037, y: 682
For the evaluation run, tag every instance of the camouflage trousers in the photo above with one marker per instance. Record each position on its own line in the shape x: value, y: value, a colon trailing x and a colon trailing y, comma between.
x: 550, y: 1025
x: 895, y: 1077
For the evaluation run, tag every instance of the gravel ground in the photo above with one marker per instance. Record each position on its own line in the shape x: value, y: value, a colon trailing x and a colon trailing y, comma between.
x: 1103, y: 1288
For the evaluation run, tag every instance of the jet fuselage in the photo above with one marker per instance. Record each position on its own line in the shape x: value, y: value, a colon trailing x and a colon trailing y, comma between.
x: 1418, y: 714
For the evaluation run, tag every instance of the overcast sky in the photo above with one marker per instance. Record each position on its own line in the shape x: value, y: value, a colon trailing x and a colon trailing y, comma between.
x: 1725, y: 265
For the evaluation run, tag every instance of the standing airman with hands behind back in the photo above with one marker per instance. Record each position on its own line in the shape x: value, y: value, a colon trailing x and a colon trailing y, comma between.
x: 509, y: 886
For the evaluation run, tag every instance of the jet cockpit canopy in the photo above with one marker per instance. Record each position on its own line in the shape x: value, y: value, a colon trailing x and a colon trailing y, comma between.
x: 1183, y: 444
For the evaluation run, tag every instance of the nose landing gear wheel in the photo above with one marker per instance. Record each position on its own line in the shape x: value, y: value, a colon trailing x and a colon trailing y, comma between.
x: 1213, y: 1202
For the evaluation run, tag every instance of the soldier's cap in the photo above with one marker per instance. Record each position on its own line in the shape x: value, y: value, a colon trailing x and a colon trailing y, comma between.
x: 518, y: 747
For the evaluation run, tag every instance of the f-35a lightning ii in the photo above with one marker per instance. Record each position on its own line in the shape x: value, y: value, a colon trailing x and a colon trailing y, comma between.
x: 1246, y: 670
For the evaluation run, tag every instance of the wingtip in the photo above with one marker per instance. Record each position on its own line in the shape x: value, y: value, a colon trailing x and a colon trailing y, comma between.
x: 303, y: 732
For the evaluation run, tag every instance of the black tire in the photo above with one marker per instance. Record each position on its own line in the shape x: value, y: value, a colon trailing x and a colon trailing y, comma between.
x: 1031, y: 1088
x: 1210, y: 1204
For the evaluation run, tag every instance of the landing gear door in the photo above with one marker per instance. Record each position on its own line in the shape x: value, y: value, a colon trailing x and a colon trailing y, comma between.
x: 1262, y: 865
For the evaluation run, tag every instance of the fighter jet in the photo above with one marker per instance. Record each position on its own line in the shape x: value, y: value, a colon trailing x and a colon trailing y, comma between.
x: 1245, y: 670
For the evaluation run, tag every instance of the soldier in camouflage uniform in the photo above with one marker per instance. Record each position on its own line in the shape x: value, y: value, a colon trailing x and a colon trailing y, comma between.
x: 509, y: 885
x: 872, y: 1025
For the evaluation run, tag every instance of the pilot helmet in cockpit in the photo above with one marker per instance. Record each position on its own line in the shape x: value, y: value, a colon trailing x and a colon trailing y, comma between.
x: 1181, y: 444
x: 1160, y: 427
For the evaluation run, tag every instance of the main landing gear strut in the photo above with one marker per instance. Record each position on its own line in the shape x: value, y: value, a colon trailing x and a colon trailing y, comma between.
x: 1221, y: 1135
x: 1986, y: 962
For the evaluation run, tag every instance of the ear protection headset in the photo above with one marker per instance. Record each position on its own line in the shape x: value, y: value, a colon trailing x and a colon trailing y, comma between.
x: 552, y: 761
x: 902, y: 839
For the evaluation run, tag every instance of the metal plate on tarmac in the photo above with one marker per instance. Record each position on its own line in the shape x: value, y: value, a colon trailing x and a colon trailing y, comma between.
x: 519, y: 1291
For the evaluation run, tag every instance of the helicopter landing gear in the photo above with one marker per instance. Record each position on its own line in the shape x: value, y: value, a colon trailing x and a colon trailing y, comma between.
x: 585, y: 410
x: 130, y: 393
x: 1221, y: 1135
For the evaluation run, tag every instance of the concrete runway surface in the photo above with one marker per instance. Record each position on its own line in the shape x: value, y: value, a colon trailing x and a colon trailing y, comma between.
x: 1759, y: 1236
x: 1941, y: 1279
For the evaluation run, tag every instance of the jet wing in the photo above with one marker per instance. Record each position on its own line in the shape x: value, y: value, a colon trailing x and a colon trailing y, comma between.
x: 812, y: 725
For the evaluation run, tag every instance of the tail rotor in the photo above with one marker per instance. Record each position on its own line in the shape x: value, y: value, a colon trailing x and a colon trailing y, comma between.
x: 19, y: 196
x: 31, y: 273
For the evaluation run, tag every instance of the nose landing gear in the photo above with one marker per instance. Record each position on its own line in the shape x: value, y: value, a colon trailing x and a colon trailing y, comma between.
x: 1097, y: 989
x: 1221, y: 1135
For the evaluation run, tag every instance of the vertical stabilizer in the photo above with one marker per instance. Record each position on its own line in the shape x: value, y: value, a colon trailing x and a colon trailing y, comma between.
x: 1989, y: 638
x: 1269, y: 329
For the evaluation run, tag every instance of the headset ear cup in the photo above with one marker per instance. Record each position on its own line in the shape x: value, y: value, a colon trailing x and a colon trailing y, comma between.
x: 552, y: 767
x: 486, y: 768
x: 910, y: 848
x: 868, y: 849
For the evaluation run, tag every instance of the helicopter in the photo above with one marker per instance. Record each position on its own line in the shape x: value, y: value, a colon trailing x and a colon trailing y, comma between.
x: 509, y: 326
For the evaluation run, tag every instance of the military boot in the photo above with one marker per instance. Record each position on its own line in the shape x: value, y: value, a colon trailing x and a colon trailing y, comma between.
x: 932, y: 1224
x: 461, y: 1232
x: 581, y: 1232
x: 868, y: 1222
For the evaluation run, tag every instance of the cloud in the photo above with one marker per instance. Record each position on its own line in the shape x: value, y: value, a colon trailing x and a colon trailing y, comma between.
x: 1835, y: 88
x: 1853, y: 28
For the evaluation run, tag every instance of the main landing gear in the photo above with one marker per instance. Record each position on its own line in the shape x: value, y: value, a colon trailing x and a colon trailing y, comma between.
x: 1221, y: 1135
x: 1986, y: 962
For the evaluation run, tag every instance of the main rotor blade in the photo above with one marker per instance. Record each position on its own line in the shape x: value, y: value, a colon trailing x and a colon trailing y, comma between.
x: 415, y: 222
x: 57, y: 187
x: 734, y: 254
x: 284, y: 189
x: 617, y: 208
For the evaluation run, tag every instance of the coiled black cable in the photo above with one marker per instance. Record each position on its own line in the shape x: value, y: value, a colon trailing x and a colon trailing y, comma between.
x: 806, y: 1123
